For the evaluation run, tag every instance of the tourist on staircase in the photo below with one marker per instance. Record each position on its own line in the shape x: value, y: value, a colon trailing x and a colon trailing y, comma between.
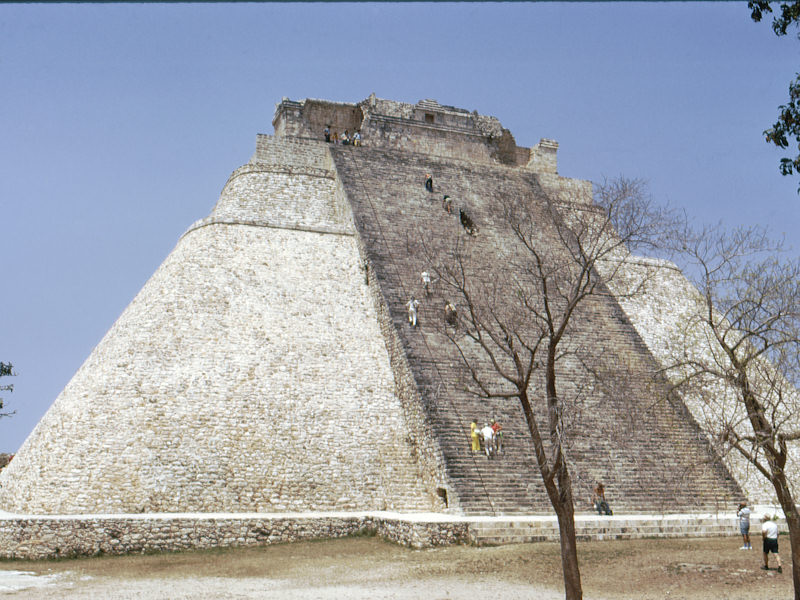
x: 412, y: 306
x: 451, y: 315
x: 475, y: 436
x: 498, y: 436
x: 488, y: 440
x: 599, y: 500
x: 426, y: 282
x: 447, y: 204
x: 466, y: 222
x: 428, y: 182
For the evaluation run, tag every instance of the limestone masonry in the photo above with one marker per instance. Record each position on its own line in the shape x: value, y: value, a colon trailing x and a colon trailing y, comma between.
x: 267, y: 366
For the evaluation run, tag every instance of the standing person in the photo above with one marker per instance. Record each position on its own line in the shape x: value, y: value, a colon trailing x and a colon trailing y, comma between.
x: 744, y: 525
x: 498, y: 435
x: 447, y: 204
x: 466, y: 222
x: 428, y: 182
x: 451, y: 314
x: 357, y: 138
x: 599, y: 500
x: 475, y: 436
x: 327, y: 133
x: 769, y: 533
x: 412, y: 306
x: 426, y: 282
x: 488, y: 440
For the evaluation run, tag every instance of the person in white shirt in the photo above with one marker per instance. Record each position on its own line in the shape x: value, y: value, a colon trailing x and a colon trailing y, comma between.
x: 769, y: 531
x: 744, y: 525
x: 488, y: 440
x: 426, y: 282
x: 412, y: 306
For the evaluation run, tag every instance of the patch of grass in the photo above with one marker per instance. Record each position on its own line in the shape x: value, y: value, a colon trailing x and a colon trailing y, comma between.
x: 367, y: 532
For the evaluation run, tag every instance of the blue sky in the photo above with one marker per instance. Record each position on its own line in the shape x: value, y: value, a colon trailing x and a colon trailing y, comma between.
x: 119, y: 125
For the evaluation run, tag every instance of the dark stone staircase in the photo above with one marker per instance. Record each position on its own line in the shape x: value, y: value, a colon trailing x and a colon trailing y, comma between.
x: 650, y: 454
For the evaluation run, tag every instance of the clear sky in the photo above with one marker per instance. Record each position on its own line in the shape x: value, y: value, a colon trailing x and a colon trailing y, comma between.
x: 119, y: 125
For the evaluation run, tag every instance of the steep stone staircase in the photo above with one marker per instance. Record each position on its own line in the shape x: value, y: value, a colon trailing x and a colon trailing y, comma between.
x: 650, y: 454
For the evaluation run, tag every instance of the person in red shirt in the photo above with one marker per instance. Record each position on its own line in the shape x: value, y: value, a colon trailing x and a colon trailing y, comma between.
x: 498, y: 435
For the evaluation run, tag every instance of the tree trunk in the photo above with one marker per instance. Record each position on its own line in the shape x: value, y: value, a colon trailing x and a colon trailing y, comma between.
x: 794, y: 543
x: 569, y: 547
x: 793, y: 523
x: 559, y: 490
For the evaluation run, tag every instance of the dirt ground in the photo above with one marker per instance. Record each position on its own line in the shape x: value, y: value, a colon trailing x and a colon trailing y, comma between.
x: 369, y: 568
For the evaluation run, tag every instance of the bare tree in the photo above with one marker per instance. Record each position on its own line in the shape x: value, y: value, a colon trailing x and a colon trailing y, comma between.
x: 520, y: 315
x: 737, y: 355
x: 6, y: 370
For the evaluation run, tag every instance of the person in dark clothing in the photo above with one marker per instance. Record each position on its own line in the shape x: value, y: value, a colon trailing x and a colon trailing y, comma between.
x: 327, y: 133
x: 451, y: 314
x: 467, y: 223
x: 429, y: 182
x: 599, y: 500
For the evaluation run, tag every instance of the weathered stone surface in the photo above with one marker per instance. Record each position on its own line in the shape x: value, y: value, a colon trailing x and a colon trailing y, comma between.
x: 248, y: 375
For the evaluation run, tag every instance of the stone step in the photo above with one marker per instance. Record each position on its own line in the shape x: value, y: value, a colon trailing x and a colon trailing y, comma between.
x: 497, y: 532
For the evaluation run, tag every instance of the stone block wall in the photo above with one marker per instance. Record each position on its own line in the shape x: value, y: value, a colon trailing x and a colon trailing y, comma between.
x: 308, y: 119
x: 542, y: 157
x: 37, y: 538
x: 425, y: 127
x: 61, y: 537
x: 293, y: 155
x: 438, y: 140
x: 261, y: 194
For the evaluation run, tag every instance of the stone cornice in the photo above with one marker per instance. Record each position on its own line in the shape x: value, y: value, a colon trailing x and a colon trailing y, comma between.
x: 270, y: 224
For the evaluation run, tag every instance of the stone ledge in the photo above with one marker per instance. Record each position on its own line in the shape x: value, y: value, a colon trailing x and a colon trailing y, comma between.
x: 271, y: 224
x: 266, y: 167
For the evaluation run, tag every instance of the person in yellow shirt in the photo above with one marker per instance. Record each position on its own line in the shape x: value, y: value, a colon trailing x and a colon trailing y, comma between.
x: 473, y: 433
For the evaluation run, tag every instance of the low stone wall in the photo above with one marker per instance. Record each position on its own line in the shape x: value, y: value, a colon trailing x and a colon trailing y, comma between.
x: 42, y: 537
x: 57, y: 536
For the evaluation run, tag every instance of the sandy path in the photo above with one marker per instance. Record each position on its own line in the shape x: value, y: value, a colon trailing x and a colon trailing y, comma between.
x: 69, y: 586
x: 369, y: 569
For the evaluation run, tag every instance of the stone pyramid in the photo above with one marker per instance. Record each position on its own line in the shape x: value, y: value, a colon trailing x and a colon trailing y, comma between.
x: 267, y: 367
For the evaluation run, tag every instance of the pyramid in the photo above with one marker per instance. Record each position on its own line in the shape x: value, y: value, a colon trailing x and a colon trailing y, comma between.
x: 267, y: 366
